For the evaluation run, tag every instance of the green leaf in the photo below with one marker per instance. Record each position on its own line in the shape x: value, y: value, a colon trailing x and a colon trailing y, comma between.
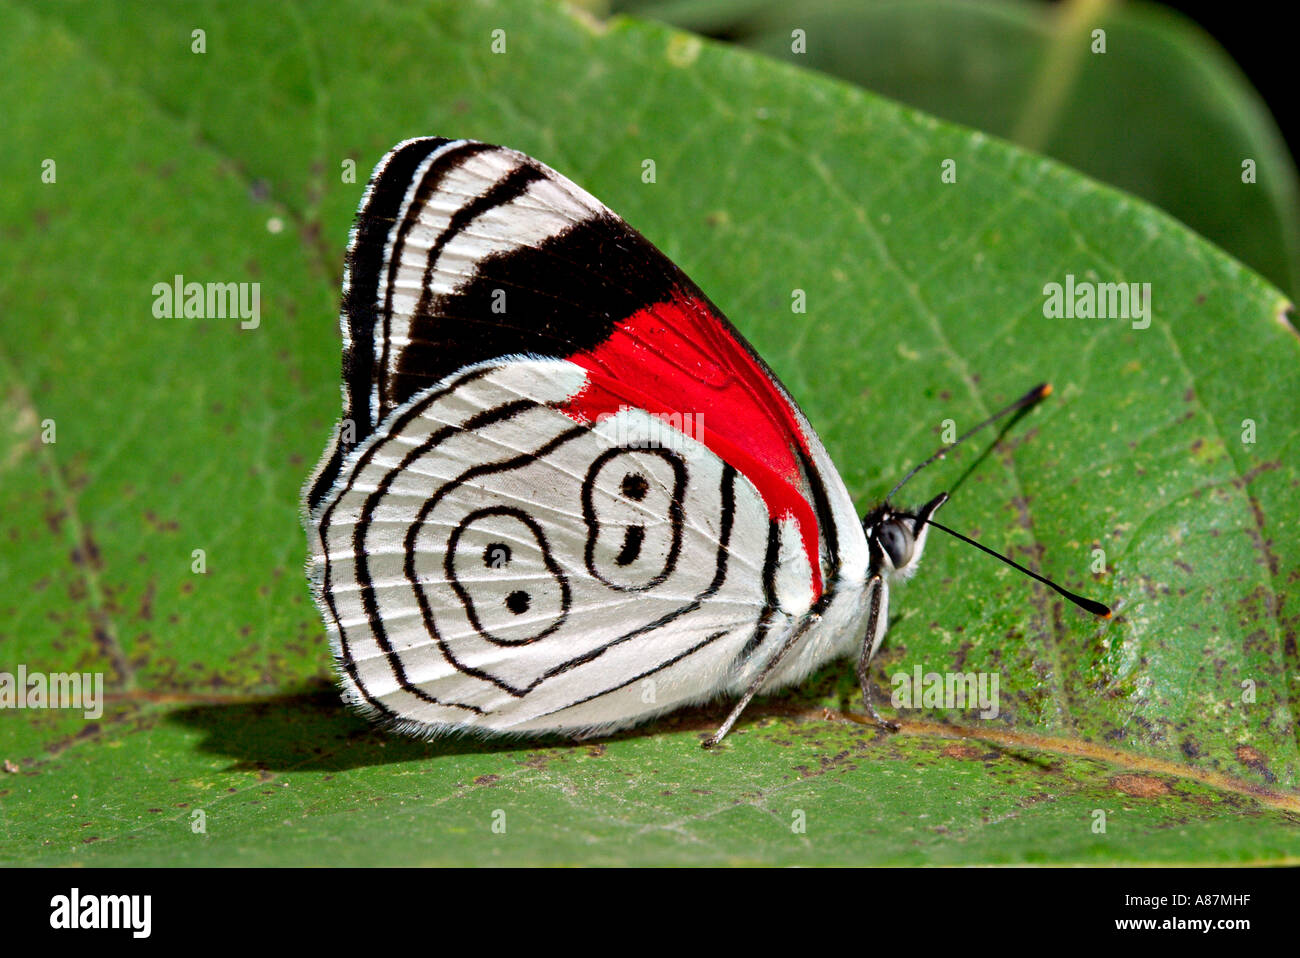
x: 925, y: 303
x: 1163, y: 113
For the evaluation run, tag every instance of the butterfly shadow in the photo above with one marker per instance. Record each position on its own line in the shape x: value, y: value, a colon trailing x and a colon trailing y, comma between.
x: 307, y: 728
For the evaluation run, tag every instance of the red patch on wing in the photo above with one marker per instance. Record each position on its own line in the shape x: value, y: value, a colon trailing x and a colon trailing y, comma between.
x: 676, y: 357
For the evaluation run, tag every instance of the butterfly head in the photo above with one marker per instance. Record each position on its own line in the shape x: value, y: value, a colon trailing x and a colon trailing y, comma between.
x: 897, y: 538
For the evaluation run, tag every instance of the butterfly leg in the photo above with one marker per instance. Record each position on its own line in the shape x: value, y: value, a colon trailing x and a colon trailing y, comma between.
x: 795, y: 635
x: 879, y: 611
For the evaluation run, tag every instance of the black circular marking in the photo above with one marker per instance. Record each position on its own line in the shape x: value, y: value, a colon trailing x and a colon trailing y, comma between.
x: 635, y: 486
x: 514, y: 599
x: 496, y: 555
x: 634, y: 536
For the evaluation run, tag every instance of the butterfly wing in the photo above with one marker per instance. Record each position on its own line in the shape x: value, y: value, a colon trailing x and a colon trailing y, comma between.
x: 465, y: 255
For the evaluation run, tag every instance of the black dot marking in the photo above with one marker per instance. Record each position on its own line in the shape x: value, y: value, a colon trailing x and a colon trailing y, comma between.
x: 517, y: 602
x: 635, y: 487
x: 496, y: 555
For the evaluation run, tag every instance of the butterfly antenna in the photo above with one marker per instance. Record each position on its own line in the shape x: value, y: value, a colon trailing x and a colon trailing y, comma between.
x: 1088, y: 605
x: 1041, y: 391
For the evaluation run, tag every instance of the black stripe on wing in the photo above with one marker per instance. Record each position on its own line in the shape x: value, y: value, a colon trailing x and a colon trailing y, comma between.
x: 366, y: 265
x: 562, y: 296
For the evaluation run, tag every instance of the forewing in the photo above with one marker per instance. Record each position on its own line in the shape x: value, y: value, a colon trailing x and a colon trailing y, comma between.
x: 465, y: 253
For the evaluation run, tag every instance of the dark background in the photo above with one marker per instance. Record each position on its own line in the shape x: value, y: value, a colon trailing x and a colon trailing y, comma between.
x: 1261, y: 38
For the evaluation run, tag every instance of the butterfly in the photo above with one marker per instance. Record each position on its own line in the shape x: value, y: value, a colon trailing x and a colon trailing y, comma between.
x: 565, y: 494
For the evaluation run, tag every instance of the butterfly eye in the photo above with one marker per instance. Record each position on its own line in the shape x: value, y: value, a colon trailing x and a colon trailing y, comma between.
x: 897, y: 543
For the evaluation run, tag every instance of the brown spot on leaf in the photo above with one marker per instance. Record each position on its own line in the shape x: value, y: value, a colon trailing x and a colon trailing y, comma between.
x: 1249, y: 755
x: 146, y: 601
x: 54, y: 520
x: 487, y: 779
x: 1140, y: 786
